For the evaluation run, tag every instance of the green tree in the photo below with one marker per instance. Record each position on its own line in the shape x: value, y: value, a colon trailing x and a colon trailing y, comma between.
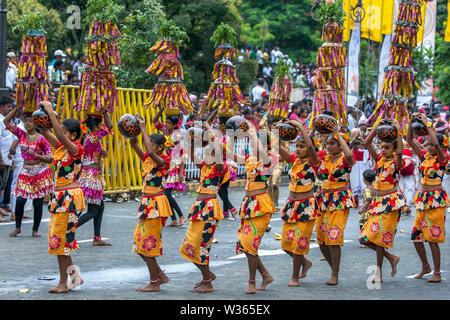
x: 422, y: 65
x: 368, y: 67
x: 442, y: 69
x: 53, y: 24
x: 246, y: 73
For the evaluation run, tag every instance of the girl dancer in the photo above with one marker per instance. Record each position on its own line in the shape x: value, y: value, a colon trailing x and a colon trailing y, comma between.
x: 91, y: 173
x: 385, y: 209
x: 334, y: 199
x: 431, y: 200
x: 35, y: 179
x: 67, y: 202
x: 256, y: 210
x: 205, y: 212
x: 175, y: 180
x: 154, y: 208
x: 300, y: 211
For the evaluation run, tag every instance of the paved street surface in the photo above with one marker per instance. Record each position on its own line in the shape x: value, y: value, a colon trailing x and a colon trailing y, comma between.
x: 115, y: 272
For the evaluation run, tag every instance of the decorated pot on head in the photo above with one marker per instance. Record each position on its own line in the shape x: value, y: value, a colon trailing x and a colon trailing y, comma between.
x: 41, y: 118
x: 324, y: 123
x: 172, y: 111
x: 386, y: 131
x: 239, y: 125
x: 418, y: 128
x: 286, y: 131
x: 129, y: 126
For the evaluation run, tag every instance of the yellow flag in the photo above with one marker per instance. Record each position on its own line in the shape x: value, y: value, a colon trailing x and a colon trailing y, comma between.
x: 348, y: 24
x: 388, y: 16
x: 371, y: 24
x: 424, y: 20
x: 447, y: 29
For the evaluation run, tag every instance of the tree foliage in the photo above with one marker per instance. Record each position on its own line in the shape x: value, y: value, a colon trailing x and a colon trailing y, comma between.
x: 442, y: 69
x: 422, y: 65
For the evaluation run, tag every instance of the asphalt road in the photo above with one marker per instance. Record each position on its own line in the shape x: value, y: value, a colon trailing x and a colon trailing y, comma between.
x: 115, y: 272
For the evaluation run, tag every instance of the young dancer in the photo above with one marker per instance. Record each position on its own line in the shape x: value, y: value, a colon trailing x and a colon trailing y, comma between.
x: 369, y: 178
x: 154, y: 208
x: 385, y: 209
x: 67, y: 202
x: 175, y: 180
x: 334, y: 199
x: 256, y: 210
x: 91, y: 173
x: 205, y: 212
x: 300, y: 211
x: 35, y: 179
x: 431, y: 200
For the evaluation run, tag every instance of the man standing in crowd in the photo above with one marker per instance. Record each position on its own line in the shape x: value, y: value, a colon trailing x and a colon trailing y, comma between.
x: 259, y: 92
x: 6, y: 140
x: 79, y: 65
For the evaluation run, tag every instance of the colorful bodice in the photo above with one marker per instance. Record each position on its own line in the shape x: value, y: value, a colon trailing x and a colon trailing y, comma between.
x: 334, y: 175
x: 258, y: 174
x: 302, y: 175
x: 40, y: 146
x: 386, y: 173
x: 210, y: 178
x: 67, y: 166
x: 93, y: 146
x: 152, y: 175
x: 431, y: 169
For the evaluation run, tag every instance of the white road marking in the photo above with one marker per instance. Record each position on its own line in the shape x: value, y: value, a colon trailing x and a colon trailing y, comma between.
x: 263, y: 253
x: 89, y: 240
x: 28, y: 221
x: 426, y: 275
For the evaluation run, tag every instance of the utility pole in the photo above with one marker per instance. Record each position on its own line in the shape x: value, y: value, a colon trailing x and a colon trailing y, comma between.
x: 3, y: 12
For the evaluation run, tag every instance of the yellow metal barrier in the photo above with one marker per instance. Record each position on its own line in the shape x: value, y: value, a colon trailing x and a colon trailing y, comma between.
x: 122, y: 167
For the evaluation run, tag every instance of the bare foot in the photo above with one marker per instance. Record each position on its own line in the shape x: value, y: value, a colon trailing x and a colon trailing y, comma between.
x: 378, y: 278
x: 293, y: 283
x: 435, y: 278
x: 305, y: 268
x: 425, y: 270
x: 333, y: 279
x: 3, y: 213
x: 268, y: 228
x: 267, y: 278
x: 35, y: 234
x: 173, y: 224
x: 3, y: 220
x: 14, y: 233
x: 163, y: 278
x: 60, y: 288
x: 251, y: 287
x: 204, y: 287
x: 182, y: 221
x: 212, y: 276
x: 394, y: 263
x: 152, y: 287
x: 101, y: 243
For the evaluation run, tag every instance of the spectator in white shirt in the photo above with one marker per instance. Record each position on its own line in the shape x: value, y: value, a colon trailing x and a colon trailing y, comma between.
x: 11, y: 75
x: 259, y: 92
x: 79, y: 65
x: 6, y: 140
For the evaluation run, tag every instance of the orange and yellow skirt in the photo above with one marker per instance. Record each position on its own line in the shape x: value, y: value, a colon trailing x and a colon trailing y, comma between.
x: 330, y: 227
x: 429, y: 225
x: 147, y: 237
x: 65, y: 207
x: 202, y: 226
x: 298, y: 223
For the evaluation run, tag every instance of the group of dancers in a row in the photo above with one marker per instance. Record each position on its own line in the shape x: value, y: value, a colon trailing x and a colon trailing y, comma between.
x: 326, y: 209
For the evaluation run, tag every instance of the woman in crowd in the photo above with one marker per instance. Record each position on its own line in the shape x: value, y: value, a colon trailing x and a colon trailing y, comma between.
x: 385, y: 209
x: 154, y: 208
x: 35, y: 179
x: 300, y: 211
x: 431, y: 199
x: 334, y: 199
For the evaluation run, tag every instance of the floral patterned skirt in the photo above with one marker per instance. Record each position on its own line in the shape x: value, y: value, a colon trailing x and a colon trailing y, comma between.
x: 335, y: 200
x: 197, y: 241
x: 387, y: 203
x: 330, y: 227
x: 65, y: 207
x: 299, y: 210
x: 295, y: 237
x: 425, y: 200
x: 256, y: 206
x: 250, y: 234
x: 34, y: 182
x: 208, y: 209
x: 154, y: 207
x: 429, y: 226
x: 380, y: 229
x: 147, y: 237
x: 91, y: 183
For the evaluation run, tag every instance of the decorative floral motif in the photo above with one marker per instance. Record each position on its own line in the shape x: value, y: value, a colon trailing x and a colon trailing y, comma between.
x: 375, y: 227
x: 150, y: 243
x: 247, y: 229
x: 323, y: 227
x: 290, y: 235
x: 435, y: 231
x: 423, y: 223
x: 54, y: 242
x: 302, y: 243
x: 139, y: 237
x: 190, y: 250
x: 387, y: 238
x: 256, y: 242
x: 334, y: 233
